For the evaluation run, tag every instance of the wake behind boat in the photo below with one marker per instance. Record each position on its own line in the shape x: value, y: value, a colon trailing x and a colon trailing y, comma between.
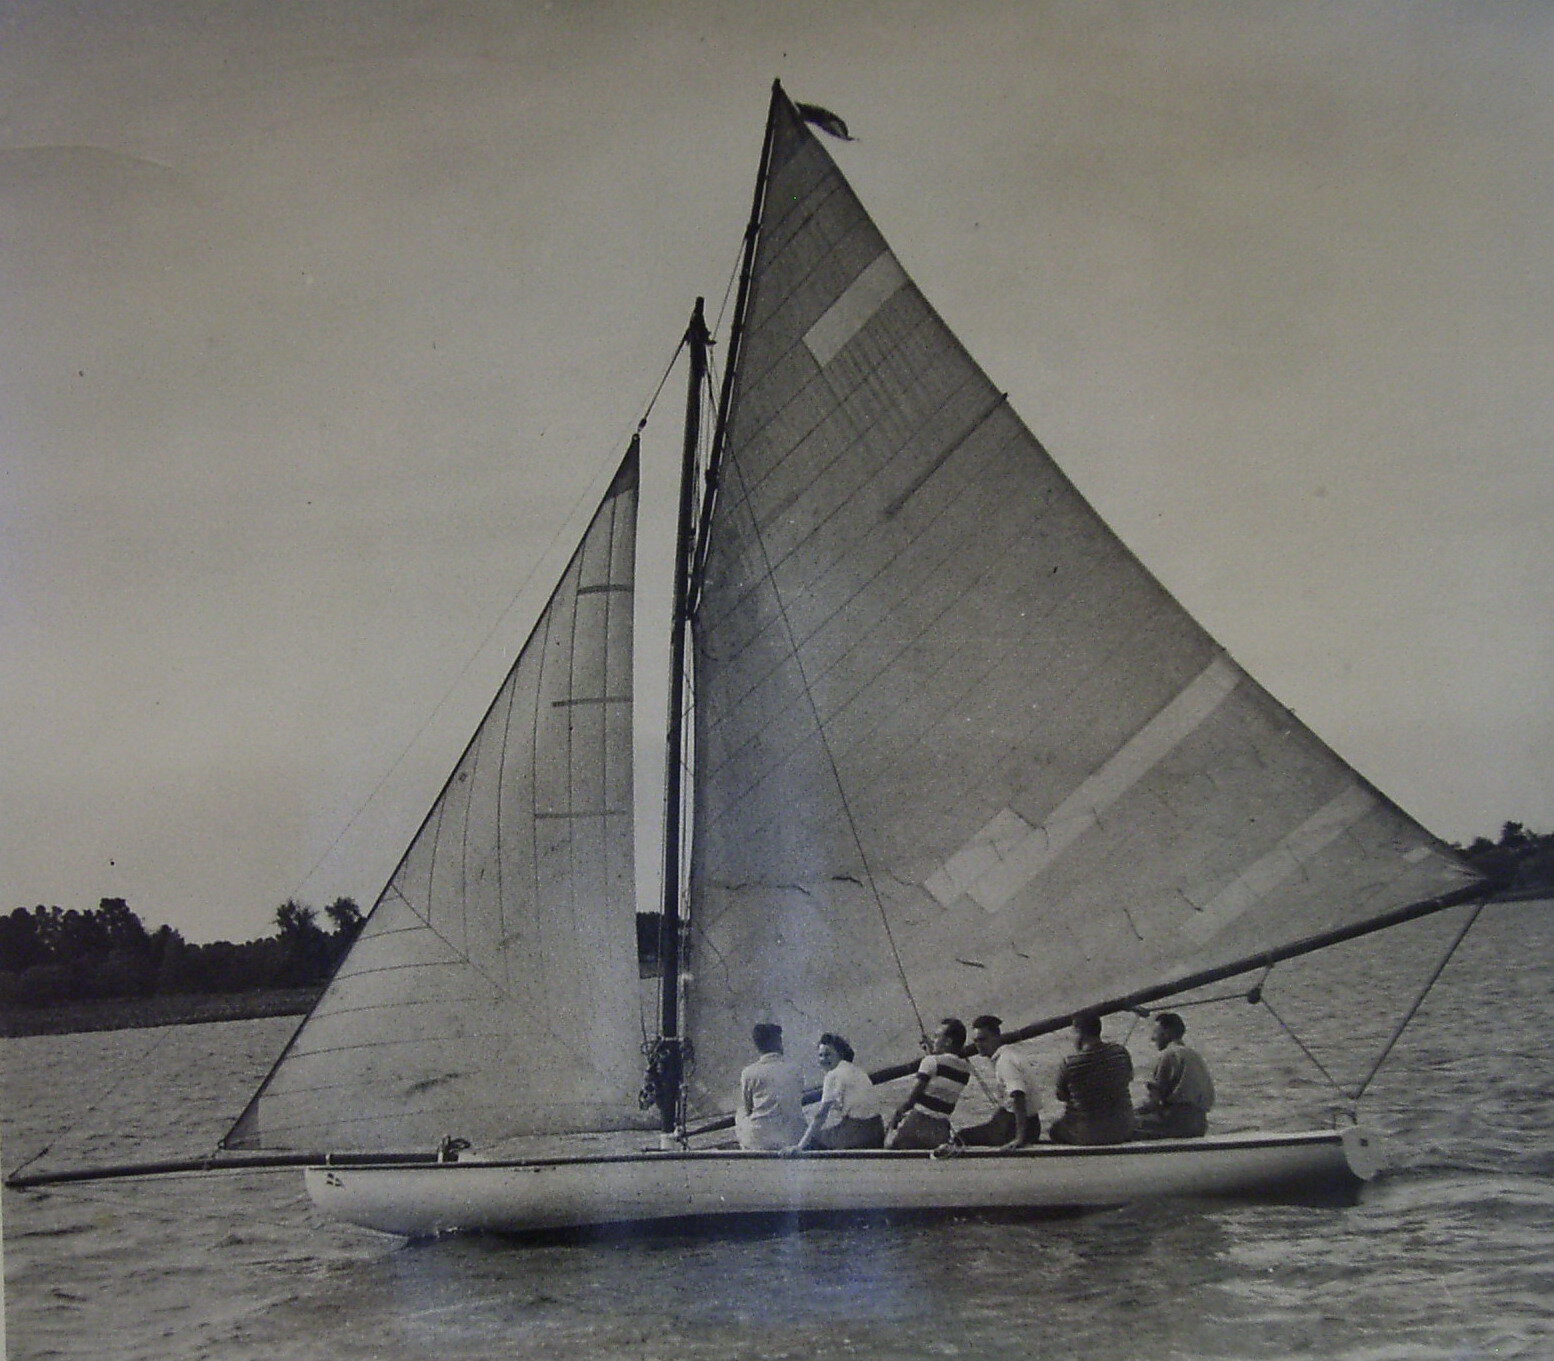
x: 947, y: 747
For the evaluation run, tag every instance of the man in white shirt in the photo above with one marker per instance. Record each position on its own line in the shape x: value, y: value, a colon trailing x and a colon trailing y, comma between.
x: 1015, y: 1123
x: 771, y: 1095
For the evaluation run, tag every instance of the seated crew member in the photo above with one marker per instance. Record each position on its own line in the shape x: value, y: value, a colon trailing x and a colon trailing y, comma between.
x: 1181, y: 1092
x: 1093, y: 1085
x: 1015, y: 1122
x: 923, y: 1119
x: 770, y: 1114
x: 847, y: 1116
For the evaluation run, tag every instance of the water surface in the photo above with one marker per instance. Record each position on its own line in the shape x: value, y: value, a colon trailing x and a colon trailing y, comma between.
x: 1446, y: 1256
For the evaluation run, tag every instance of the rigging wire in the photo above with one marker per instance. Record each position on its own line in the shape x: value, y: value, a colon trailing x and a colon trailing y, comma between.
x: 1256, y: 994
x: 522, y: 588
x: 836, y: 774
x: 1305, y: 1049
x: 500, y: 986
x: 1253, y: 994
x: 728, y: 292
x: 803, y: 676
x: 1402, y: 1025
x: 126, y: 1071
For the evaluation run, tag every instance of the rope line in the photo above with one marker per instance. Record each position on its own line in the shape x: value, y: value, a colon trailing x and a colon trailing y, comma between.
x: 728, y: 288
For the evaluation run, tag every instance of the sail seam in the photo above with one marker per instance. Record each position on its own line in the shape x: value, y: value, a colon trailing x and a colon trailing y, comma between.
x: 1284, y: 860
x: 898, y: 348
x: 862, y: 230
x: 920, y: 438
x: 893, y: 507
x: 474, y: 805
x: 843, y: 505
x: 419, y: 1042
x: 909, y: 348
x: 991, y: 660
x: 457, y: 962
x: 776, y: 239
x: 535, y: 887
x: 572, y: 813
x: 395, y: 1006
x: 855, y: 307
x: 1008, y: 853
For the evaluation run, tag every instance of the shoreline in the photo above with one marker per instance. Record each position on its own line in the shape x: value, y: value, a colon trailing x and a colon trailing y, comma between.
x: 131, y: 1013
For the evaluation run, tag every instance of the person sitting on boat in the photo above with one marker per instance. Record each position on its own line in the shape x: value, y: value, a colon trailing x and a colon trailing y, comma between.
x: 1093, y: 1085
x: 923, y: 1119
x: 1015, y: 1123
x: 771, y: 1095
x: 846, y: 1116
x: 1181, y: 1092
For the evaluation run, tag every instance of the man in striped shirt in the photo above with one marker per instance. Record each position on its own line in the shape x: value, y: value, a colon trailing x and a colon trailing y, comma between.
x: 923, y: 1119
x: 1093, y: 1084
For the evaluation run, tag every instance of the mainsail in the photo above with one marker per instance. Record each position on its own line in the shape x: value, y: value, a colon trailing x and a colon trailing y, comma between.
x: 956, y: 749
x: 493, y: 989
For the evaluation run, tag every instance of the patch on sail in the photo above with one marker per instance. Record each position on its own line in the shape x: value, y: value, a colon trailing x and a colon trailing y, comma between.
x: 1008, y: 853
x: 851, y: 312
x: 1283, y: 862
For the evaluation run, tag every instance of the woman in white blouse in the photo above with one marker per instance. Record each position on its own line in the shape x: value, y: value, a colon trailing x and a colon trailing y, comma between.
x: 847, y: 1116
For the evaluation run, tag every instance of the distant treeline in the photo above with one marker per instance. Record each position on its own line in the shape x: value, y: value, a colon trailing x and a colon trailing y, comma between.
x: 1524, y: 859
x: 50, y: 957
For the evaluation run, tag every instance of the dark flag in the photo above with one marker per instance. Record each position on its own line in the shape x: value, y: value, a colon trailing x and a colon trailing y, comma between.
x: 825, y: 120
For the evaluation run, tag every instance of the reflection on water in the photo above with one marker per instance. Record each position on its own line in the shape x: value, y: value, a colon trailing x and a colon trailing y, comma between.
x: 1447, y: 1256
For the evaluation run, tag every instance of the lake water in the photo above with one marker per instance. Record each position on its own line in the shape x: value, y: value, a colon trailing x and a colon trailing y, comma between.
x: 1448, y: 1255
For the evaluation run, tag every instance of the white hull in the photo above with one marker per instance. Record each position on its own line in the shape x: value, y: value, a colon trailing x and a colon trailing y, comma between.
x: 540, y: 1195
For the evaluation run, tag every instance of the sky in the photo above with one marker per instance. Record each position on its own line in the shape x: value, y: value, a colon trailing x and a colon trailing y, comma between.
x: 325, y: 325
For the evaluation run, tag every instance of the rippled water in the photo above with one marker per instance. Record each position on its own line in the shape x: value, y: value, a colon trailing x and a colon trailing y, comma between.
x: 1448, y: 1255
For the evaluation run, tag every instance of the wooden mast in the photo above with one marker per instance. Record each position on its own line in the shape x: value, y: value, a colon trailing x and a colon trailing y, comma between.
x: 666, y: 1067
x: 736, y: 338
x: 667, y: 1064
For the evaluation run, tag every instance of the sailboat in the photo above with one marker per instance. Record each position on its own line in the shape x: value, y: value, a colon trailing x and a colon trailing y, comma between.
x: 938, y: 744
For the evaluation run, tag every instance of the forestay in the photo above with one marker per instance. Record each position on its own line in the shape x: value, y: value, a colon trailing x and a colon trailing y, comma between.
x: 493, y: 989
x: 956, y: 749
